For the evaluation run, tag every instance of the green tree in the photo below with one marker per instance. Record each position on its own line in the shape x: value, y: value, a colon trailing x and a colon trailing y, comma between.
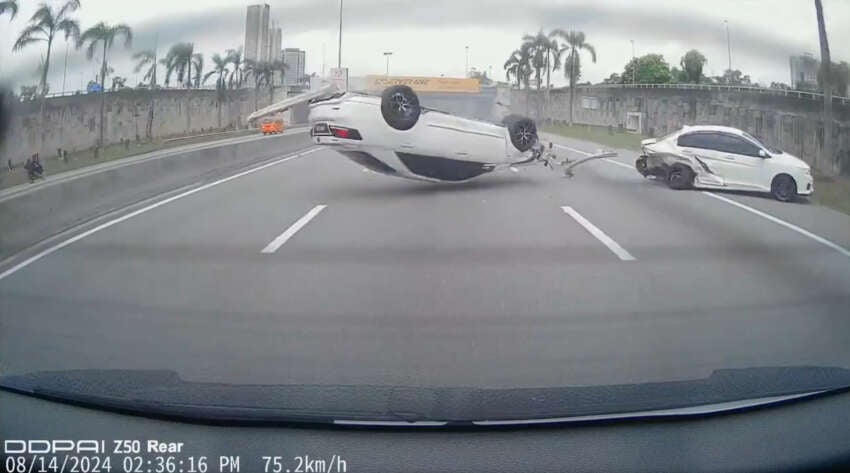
x: 614, y: 78
x: 735, y: 77
x: 118, y: 82
x: 220, y: 70
x: 180, y: 60
x: 43, y: 26
x: 263, y: 74
x: 839, y: 80
x: 692, y: 64
x: 198, y: 64
x: 104, y: 35
x: 678, y: 76
x: 237, y: 74
x: 10, y: 7
x: 648, y: 69
x: 518, y: 67
x: 574, y: 43
x: 146, y: 60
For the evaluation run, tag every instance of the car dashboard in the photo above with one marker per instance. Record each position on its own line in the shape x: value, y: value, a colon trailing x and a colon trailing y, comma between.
x: 810, y: 435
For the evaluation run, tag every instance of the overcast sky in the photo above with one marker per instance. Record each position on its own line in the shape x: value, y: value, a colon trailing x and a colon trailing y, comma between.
x: 427, y: 37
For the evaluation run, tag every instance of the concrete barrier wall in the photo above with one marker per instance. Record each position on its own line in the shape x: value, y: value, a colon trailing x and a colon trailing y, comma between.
x: 791, y: 123
x: 72, y: 122
x: 34, y: 216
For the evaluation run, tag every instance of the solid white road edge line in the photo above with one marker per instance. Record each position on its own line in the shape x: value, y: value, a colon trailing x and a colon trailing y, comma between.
x: 291, y: 231
x: 103, y: 226
x: 790, y: 226
x: 785, y: 224
x: 599, y: 234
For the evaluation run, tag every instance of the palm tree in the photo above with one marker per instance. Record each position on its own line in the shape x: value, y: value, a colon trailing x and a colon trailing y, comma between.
x: 826, y: 62
x: 147, y: 60
x: 260, y: 71
x: 198, y: 63
x: 10, y: 6
x: 180, y: 60
x: 513, y: 67
x: 574, y: 42
x: 219, y: 68
x: 43, y: 26
x: 106, y: 35
x: 237, y: 76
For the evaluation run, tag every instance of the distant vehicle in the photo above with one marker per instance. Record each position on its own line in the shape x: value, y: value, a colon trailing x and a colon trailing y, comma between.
x: 719, y: 157
x: 271, y: 126
x: 393, y: 134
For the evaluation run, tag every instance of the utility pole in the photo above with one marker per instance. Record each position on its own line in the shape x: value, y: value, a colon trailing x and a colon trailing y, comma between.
x: 826, y: 72
x: 65, y: 71
x: 339, y: 50
x: 388, y: 54
x: 466, y: 74
x: 323, y: 61
x: 634, y: 69
x: 728, y: 44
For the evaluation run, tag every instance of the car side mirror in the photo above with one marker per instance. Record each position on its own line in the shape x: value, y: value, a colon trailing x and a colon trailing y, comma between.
x: 763, y: 154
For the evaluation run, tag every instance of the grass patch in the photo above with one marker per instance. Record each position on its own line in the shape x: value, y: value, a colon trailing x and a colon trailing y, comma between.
x: 833, y: 192
x: 598, y: 134
x: 80, y: 159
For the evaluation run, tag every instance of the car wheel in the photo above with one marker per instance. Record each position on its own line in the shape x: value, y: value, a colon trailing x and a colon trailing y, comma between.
x: 641, y: 166
x: 680, y: 177
x: 784, y: 188
x: 522, y: 131
x: 400, y: 107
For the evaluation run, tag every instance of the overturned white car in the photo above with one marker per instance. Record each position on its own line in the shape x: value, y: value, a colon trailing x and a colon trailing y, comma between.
x: 717, y: 157
x: 393, y: 134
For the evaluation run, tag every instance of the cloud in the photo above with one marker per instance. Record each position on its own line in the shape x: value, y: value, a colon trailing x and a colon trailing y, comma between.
x: 663, y: 24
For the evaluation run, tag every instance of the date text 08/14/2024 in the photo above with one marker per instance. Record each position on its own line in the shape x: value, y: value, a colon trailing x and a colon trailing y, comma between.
x: 80, y: 463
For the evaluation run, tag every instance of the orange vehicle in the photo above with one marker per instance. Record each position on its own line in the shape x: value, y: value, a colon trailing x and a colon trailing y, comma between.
x: 271, y: 126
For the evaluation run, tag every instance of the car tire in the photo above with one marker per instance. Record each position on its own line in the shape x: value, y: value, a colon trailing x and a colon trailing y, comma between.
x: 522, y: 131
x: 642, y: 166
x: 400, y: 107
x: 783, y: 188
x: 680, y: 177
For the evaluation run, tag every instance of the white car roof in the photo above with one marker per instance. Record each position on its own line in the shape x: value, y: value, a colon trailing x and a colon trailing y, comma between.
x: 722, y: 129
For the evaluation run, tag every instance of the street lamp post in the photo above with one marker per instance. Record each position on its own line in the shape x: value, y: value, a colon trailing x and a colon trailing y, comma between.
x: 388, y: 54
x: 728, y: 44
x: 339, y: 50
x: 467, y: 61
x: 634, y: 69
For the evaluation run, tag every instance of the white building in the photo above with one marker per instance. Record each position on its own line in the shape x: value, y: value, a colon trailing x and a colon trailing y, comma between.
x: 295, y: 60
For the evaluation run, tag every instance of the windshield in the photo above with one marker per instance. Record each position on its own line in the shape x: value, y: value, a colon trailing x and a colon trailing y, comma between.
x: 260, y: 206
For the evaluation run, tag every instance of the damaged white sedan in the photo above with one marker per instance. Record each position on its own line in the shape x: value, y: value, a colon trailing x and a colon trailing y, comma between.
x: 718, y: 157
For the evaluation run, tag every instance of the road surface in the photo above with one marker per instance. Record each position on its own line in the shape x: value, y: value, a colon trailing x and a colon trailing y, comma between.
x: 312, y: 270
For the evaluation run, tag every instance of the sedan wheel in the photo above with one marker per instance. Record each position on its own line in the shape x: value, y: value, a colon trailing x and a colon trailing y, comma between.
x: 784, y: 188
x: 680, y: 177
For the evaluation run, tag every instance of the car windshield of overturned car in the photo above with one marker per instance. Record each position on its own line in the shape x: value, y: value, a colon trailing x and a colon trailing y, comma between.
x: 236, y: 205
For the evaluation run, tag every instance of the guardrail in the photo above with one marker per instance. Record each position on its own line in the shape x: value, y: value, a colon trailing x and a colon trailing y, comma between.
x: 724, y: 88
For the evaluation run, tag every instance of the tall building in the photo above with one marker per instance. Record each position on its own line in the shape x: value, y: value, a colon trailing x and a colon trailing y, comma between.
x: 275, y: 44
x: 295, y: 60
x: 804, y: 71
x: 257, y: 33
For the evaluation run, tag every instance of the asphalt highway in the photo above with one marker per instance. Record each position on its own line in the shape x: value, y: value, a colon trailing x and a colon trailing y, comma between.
x: 311, y: 270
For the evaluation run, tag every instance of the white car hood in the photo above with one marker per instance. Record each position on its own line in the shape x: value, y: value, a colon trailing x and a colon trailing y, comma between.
x: 789, y: 160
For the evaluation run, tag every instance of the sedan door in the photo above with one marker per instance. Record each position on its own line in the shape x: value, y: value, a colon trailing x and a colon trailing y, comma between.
x: 738, y: 161
x: 699, y: 148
